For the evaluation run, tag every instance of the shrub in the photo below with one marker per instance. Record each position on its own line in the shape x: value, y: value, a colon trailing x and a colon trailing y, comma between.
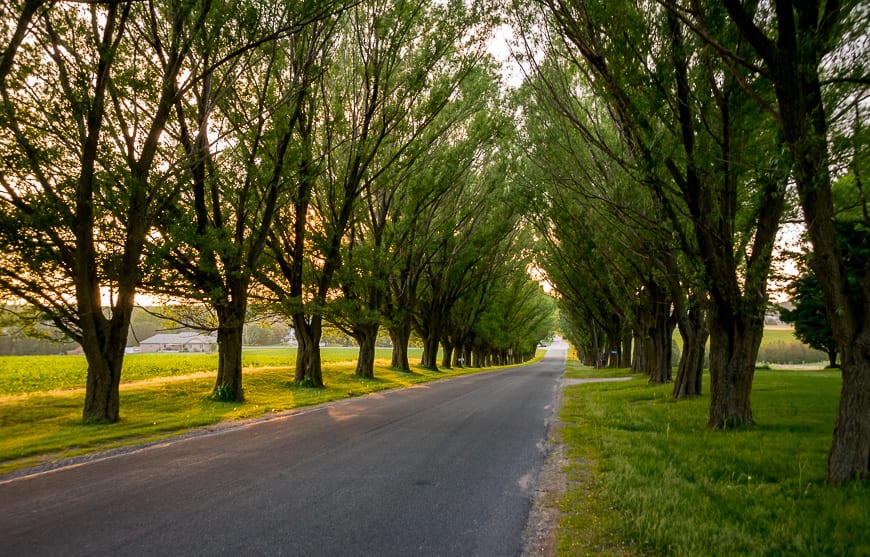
x: 789, y: 353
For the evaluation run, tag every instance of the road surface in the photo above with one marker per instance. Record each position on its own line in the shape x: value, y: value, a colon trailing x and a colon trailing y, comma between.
x: 447, y: 468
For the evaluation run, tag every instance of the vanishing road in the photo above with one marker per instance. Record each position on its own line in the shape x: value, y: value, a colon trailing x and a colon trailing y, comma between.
x: 448, y: 468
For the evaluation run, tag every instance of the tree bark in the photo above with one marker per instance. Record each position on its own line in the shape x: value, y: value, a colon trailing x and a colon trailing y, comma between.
x: 625, y: 351
x: 734, y: 346
x: 308, y: 366
x: 693, y: 330
x: 102, y: 395
x: 430, y: 353
x: 400, y: 335
x: 366, y: 336
x: 446, y: 352
x: 849, y: 457
x: 228, y: 385
x: 638, y: 360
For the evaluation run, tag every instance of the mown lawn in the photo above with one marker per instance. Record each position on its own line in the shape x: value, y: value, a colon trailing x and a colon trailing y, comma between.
x: 652, y: 479
x: 163, y: 394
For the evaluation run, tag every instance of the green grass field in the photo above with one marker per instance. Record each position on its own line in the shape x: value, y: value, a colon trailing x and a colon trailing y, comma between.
x: 31, y: 374
x: 647, y: 477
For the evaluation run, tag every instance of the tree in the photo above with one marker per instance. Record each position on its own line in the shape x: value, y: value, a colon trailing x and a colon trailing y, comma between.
x: 810, y: 318
x: 238, y: 130
x: 811, y: 52
x: 383, y: 224
x: 699, y: 143
x: 395, y: 67
x: 86, y: 98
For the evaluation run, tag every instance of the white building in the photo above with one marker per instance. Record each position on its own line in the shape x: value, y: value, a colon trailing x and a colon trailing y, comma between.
x: 178, y: 342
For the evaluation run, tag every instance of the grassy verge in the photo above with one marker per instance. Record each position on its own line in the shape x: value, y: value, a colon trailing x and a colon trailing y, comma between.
x: 46, y: 425
x: 652, y: 479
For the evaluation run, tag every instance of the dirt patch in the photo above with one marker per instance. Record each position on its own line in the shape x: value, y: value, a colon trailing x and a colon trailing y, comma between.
x: 541, y: 538
x: 542, y: 530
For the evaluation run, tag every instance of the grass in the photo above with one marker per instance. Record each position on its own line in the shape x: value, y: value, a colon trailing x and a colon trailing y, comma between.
x: 659, y: 482
x: 32, y: 374
x: 169, y: 395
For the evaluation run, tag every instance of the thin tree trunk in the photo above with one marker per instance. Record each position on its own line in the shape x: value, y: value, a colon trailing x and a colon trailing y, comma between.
x: 693, y: 330
x: 638, y: 360
x: 626, y: 349
x: 446, y: 352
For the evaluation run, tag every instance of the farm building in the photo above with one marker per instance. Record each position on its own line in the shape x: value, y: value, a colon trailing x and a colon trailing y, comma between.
x: 178, y: 342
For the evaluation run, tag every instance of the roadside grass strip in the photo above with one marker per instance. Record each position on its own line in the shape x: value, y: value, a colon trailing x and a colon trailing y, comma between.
x: 647, y: 471
x: 45, y: 426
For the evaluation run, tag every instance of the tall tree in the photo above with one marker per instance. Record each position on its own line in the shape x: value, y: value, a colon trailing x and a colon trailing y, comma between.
x: 239, y: 132
x: 697, y: 141
x: 383, y: 223
x: 812, y: 54
x: 395, y: 67
x: 87, y: 92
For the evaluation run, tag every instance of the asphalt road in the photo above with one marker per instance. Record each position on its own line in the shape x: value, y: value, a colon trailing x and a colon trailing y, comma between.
x: 448, y: 468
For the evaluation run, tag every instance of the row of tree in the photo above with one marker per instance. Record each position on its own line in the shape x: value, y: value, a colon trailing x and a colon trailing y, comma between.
x: 666, y: 142
x: 332, y: 161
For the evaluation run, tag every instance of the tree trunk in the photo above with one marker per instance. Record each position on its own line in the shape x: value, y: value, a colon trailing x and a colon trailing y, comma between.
x: 638, y: 360
x: 228, y: 385
x: 625, y: 350
x: 849, y: 457
x: 458, y: 359
x: 467, y: 352
x: 102, y: 396
x: 446, y: 352
x: 400, y: 335
x: 430, y: 352
x: 308, y: 367
x: 691, y: 369
x: 477, y: 357
x: 366, y: 336
x: 430, y: 332
x: 657, y: 332
x: 613, y: 345
x: 693, y: 330
x: 734, y: 346
x: 104, y: 341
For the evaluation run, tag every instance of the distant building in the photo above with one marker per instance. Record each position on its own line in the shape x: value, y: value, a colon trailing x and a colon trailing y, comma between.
x: 179, y: 342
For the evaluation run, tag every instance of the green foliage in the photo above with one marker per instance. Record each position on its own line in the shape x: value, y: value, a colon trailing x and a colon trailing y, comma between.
x: 681, y: 489
x: 789, y: 353
x: 810, y: 315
